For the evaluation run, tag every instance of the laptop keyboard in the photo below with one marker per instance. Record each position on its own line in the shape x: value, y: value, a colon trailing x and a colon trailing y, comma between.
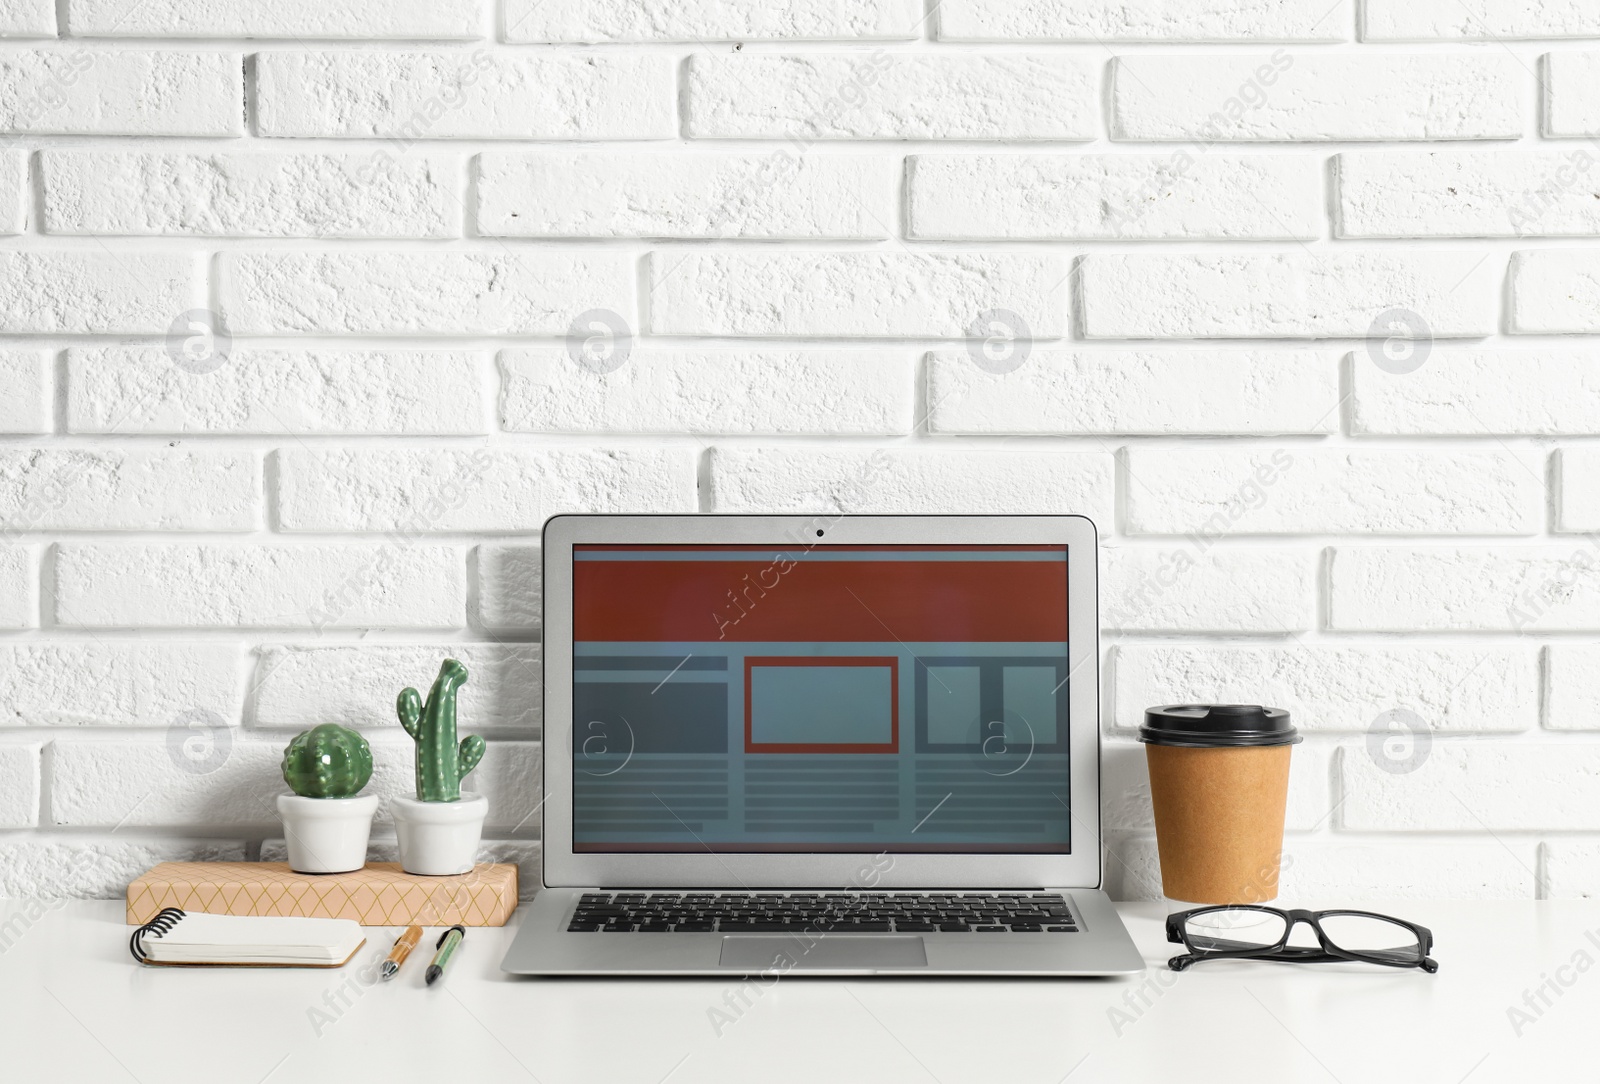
x: 843, y: 912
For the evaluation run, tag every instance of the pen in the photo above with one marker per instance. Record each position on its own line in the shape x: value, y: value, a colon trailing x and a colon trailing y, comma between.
x: 402, y: 948
x: 448, y: 942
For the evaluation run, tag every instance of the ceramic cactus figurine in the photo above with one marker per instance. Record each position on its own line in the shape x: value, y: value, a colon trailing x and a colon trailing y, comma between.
x: 441, y: 764
x: 327, y: 761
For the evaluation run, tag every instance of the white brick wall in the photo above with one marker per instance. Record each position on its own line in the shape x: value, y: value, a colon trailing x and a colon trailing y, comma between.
x: 19, y: 587
x: 301, y: 392
x: 27, y: 19
x: 882, y: 95
x: 648, y: 194
x: 295, y: 19
x: 709, y: 20
x: 1203, y: 392
x: 1572, y: 96
x: 1033, y: 197
x: 1282, y: 95
x: 1297, y: 298
x: 1144, y: 20
x: 25, y: 408
x: 407, y: 96
x: 13, y: 192
x: 89, y: 90
x: 78, y: 291
x: 1555, y: 291
x: 1448, y: 20
x: 249, y: 195
x: 1294, y: 295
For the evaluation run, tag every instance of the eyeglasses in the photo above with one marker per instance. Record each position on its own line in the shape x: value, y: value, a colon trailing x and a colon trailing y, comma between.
x: 1262, y: 933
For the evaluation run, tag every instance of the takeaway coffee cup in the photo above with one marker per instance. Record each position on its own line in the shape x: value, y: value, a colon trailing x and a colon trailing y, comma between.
x: 1219, y: 778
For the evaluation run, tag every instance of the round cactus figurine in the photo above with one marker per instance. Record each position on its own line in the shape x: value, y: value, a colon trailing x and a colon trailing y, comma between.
x: 327, y: 761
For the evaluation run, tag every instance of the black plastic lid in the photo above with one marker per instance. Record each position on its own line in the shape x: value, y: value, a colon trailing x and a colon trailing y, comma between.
x: 1208, y: 725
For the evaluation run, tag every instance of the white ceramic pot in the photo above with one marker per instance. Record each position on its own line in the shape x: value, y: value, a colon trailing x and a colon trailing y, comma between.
x: 327, y: 835
x: 438, y: 839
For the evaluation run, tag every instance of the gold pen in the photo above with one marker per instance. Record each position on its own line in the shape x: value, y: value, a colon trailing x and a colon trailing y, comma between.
x: 402, y: 948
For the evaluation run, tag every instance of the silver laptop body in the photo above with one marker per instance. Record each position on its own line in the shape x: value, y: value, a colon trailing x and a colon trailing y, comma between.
x: 886, y: 718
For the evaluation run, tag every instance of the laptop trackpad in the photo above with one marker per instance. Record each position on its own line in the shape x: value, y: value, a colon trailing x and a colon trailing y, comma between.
x: 850, y: 951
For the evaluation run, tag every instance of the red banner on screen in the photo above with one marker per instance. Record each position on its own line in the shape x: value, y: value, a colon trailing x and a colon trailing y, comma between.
x: 785, y: 599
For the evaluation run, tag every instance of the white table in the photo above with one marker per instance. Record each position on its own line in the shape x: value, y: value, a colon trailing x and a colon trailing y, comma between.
x: 75, y: 1007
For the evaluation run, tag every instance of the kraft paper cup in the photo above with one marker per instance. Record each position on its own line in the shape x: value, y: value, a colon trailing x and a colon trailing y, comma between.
x: 1219, y: 783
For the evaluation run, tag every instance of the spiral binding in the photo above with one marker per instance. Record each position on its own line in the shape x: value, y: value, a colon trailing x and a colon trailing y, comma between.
x: 164, y: 921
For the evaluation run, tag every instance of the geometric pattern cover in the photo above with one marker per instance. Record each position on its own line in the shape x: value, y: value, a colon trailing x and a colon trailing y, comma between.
x: 382, y: 894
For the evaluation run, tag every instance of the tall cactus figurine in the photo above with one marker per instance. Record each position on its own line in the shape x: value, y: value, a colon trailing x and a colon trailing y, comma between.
x: 441, y: 764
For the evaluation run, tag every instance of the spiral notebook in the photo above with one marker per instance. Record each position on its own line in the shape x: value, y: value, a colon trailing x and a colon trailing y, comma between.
x: 178, y: 938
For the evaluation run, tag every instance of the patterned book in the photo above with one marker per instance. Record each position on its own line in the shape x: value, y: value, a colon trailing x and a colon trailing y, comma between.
x: 382, y: 894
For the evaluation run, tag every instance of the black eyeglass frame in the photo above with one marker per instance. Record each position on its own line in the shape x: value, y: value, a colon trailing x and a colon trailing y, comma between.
x: 1328, y: 953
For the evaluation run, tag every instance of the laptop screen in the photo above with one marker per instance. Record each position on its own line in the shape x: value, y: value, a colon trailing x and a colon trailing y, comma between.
x: 756, y: 699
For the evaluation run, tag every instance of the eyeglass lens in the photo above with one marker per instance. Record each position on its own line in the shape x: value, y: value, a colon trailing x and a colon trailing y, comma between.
x: 1238, y: 929
x: 1371, y: 936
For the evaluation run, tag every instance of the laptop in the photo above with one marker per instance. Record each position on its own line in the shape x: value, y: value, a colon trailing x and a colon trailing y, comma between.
x: 821, y: 745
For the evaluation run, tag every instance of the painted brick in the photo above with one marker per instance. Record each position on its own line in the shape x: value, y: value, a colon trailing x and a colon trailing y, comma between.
x: 171, y: 489
x: 19, y: 785
x: 1479, y: 393
x: 95, y: 291
x: 430, y: 293
x: 250, y: 195
x: 1176, y: 196
x: 851, y: 294
x: 301, y: 686
x: 1572, y: 689
x: 1556, y: 291
x: 1137, y: 391
x: 293, y: 392
x: 396, y: 583
x: 1572, y: 93
x: 152, y: 784
x: 1296, y: 490
x: 437, y: 94
x: 1338, y: 687
x: 1333, y: 294
x: 19, y: 584
x: 123, y: 91
x: 1503, y: 588
x: 1098, y: 21
x: 1571, y: 869
x: 416, y: 492
x: 104, y: 783
x: 25, y: 407
x: 13, y: 192
x: 771, y: 196
x: 885, y: 95
x: 814, y: 479
x: 510, y: 586
x: 1200, y: 588
x: 296, y: 19
x: 1125, y: 788
x: 121, y: 683
x: 1578, y: 496
x: 1284, y: 95
x: 79, y: 867
x: 835, y: 392
x: 1483, y: 20
x: 1474, y: 787
x: 1429, y: 870
x: 1469, y: 194
x: 27, y: 19
x: 707, y: 20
